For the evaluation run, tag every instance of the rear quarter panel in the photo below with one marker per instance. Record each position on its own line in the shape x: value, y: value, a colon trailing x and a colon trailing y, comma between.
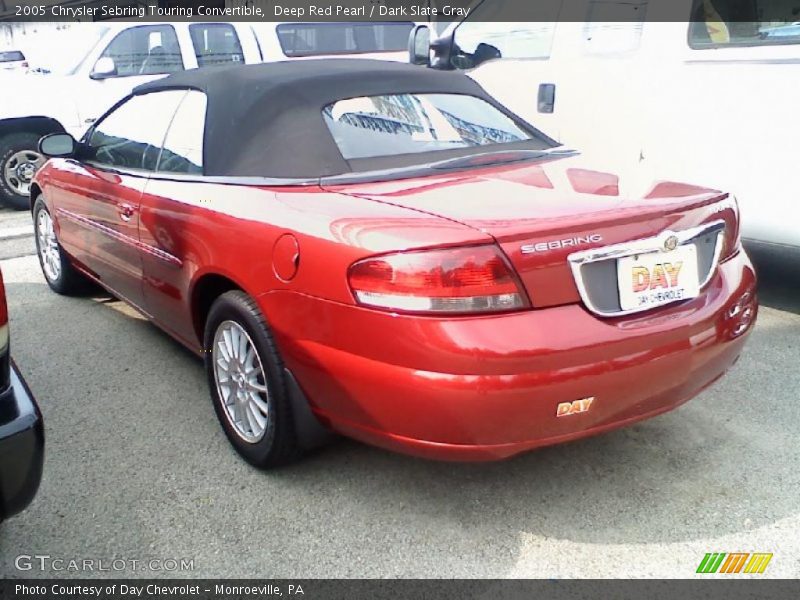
x: 193, y: 229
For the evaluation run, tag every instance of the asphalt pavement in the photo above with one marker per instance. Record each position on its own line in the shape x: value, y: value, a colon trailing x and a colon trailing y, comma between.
x: 137, y: 469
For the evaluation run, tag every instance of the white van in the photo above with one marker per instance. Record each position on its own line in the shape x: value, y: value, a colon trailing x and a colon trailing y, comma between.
x: 707, y: 100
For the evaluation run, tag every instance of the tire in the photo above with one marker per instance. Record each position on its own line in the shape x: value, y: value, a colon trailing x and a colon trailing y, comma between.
x: 19, y: 160
x: 57, y: 269
x: 232, y: 391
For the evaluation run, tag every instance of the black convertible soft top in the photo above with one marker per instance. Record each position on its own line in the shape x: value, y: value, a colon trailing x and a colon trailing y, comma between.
x: 266, y: 120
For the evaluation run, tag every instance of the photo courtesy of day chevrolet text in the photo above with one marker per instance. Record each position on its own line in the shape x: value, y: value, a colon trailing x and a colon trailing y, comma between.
x: 153, y: 590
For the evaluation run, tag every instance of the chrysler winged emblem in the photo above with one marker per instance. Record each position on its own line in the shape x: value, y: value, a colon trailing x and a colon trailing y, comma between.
x: 671, y: 243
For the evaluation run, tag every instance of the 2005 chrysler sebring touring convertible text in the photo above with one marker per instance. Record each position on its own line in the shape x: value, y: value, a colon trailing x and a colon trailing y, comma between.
x: 386, y: 252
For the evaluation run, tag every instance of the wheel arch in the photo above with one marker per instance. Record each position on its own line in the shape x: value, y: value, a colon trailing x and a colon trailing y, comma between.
x: 36, y: 191
x: 39, y: 125
x: 207, y: 288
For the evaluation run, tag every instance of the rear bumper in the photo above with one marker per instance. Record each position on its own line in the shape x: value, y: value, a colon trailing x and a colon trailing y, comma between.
x: 487, y: 388
x: 21, y: 446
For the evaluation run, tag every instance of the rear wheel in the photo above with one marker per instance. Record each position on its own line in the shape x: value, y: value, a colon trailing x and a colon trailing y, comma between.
x: 19, y: 161
x: 247, y: 382
x: 59, y: 273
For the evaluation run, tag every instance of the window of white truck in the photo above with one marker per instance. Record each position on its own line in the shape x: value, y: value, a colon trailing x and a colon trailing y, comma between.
x: 613, y: 27
x: 216, y: 44
x: 317, y: 39
x: 729, y: 23
x: 146, y: 50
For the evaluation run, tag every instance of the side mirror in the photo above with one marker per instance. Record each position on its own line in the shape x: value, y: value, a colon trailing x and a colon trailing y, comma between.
x: 419, y: 45
x: 58, y: 145
x: 442, y: 48
x: 104, y: 68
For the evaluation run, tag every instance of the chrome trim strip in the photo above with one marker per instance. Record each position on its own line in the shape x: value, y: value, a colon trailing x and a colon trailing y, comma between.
x: 120, y: 237
x: 642, y: 246
x: 195, y: 178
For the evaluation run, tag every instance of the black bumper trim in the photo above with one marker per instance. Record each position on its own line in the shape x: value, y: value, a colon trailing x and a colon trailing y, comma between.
x: 21, y: 446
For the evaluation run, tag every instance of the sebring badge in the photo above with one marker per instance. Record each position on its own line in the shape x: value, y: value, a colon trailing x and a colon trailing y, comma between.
x: 593, y: 238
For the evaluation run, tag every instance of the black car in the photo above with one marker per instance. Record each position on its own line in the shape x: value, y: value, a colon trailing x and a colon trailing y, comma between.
x: 21, y: 430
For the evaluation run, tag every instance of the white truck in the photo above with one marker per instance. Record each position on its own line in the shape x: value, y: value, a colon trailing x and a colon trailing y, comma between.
x: 88, y: 68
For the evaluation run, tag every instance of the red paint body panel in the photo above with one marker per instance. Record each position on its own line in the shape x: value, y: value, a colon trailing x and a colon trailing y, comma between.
x: 468, y: 387
x: 90, y: 196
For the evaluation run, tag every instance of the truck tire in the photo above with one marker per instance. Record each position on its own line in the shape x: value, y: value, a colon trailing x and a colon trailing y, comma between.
x: 19, y: 161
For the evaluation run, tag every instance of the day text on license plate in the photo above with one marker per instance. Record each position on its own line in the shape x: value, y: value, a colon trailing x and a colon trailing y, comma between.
x: 657, y: 278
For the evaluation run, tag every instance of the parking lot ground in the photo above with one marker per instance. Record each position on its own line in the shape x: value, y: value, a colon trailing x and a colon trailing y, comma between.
x: 138, y: 468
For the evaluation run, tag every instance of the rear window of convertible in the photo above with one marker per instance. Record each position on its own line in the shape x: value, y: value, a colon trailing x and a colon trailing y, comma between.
x: 372, y: 126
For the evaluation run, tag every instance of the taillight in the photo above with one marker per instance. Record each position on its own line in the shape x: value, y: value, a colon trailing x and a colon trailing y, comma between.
x: 473, y: 279
x: 731, y: 238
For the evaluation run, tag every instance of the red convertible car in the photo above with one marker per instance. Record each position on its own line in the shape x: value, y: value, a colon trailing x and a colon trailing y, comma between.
x: 388, y: 253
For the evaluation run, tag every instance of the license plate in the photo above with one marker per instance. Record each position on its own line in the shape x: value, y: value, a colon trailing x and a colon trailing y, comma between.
x: 657, y: 278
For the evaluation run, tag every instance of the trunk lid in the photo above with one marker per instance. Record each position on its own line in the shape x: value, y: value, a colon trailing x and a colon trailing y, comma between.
x: 541, y: 213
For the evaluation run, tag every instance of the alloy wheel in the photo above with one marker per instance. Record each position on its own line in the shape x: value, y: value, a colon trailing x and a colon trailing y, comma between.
x: 48, y: 246
x: 241, y: 383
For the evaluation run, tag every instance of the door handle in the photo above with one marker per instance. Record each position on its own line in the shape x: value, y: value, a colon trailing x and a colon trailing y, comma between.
x: 126, y: 211
x: 547, y: 97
